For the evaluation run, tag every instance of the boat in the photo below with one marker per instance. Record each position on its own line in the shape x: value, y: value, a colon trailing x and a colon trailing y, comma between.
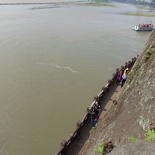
x: 143, y: 27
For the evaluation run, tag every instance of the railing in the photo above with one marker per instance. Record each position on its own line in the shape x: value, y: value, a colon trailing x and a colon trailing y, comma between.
x: 66, y: 144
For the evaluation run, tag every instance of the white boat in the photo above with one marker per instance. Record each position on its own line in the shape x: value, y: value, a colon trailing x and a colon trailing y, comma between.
x: 143, y: 27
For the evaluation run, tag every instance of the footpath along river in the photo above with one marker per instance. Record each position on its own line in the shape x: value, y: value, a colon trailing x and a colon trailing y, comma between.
x: 53, y: 60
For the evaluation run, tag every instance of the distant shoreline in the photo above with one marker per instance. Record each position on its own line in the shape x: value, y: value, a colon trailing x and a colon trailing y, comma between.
x: 24, y: 3
x: 82, y: 3
x: 149, y: 14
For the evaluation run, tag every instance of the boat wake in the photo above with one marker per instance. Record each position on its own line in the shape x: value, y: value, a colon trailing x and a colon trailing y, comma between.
x: 59, y: 67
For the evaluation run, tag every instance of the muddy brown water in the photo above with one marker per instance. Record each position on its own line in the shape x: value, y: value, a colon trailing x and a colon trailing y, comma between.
x: 53, y: 60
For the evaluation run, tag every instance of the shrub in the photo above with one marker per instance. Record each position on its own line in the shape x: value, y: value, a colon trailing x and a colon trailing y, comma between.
x: 150, y: 135
x: 99, y: 149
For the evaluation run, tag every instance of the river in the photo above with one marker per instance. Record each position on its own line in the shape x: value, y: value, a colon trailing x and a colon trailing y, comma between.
x: 53, y: 60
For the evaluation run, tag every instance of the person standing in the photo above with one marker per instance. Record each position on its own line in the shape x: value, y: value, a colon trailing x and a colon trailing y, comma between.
x: 92, y: 117
x: 97, y: 109
x: 119, y: 77
x: 124, y: 76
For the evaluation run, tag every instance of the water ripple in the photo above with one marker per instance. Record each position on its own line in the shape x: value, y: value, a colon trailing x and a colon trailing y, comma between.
x: 59, y: 67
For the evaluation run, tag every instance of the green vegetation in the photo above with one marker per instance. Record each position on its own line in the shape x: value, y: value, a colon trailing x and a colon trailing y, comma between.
x: 99, y: 149
x: 148, y: 54
x: 132, y: 139
x: 100, y: 1
x: 92, y: 3
x: 98, y: 4
x: 150, y: 136
x: 43, y: 7
x: 150, y: 14
x: 146, y: 57
x: 134, y: 72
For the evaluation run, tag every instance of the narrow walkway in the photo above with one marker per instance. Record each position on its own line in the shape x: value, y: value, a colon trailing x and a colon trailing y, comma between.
x: 106, y: 103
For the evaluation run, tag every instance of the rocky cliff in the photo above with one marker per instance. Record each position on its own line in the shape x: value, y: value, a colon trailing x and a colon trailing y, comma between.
x: 134, y: 113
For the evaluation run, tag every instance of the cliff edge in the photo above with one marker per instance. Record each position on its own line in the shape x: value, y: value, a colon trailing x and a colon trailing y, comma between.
x: 134, y: 112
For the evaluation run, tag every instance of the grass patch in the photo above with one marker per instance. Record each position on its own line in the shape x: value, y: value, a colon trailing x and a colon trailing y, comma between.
x: 149, y: 14
x: 99, y: 149
x: 132, y: 139
x: 44, y: 7
x: 98, y: 3
x: 150, y: 136
x: 89, y: 3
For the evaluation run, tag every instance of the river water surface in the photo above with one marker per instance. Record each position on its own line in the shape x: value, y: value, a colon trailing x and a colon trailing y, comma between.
x: 53, y: 60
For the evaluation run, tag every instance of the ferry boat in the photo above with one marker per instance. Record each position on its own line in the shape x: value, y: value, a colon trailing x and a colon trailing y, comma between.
x: 143, y: 27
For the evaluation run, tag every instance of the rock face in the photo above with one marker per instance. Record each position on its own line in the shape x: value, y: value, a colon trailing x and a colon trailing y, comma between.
x: 134, y: 113
x: 136, y: 148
